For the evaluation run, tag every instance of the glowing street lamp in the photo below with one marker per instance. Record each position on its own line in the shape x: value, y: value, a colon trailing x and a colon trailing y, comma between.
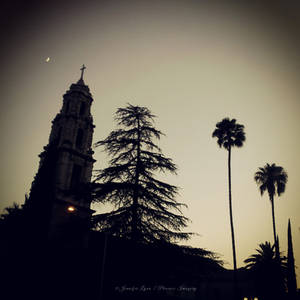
x: 71, y: 209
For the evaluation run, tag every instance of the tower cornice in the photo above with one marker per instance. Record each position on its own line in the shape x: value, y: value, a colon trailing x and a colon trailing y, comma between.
x: 75, y: 117
x: 78, y: 88
x: 78, y: 154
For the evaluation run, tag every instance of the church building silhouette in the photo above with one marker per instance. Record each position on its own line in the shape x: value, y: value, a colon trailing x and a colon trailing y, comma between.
x: 65, y: 166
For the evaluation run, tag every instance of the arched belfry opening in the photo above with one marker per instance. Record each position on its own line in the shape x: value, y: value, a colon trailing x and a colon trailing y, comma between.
x: 76, y: 176
x: 82, y: 108
x: 79, y: 138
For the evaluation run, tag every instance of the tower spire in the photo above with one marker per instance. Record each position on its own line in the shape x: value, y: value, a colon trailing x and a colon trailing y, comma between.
x: 82, y: 71
x: 80, y: 81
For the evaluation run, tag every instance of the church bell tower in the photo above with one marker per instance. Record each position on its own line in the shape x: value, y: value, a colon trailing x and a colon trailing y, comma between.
x: 66, y: 164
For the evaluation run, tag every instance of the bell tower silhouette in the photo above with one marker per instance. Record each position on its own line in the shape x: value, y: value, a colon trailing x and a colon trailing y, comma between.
x: 66, y: 165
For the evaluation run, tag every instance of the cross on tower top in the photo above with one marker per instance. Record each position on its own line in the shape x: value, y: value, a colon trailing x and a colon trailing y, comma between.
x: 82, y: 71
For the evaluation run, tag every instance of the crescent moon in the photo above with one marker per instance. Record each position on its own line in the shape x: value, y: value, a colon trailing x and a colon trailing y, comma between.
x: 47, y: 59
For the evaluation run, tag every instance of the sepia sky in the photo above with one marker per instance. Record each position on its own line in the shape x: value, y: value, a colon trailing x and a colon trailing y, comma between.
x: 192, y: 64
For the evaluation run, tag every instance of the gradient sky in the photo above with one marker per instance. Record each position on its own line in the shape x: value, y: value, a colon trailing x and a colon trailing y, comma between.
x: 191, y: 64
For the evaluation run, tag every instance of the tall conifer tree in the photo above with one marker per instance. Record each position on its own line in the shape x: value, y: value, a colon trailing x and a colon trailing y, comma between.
x: 145, y: 208
x: 291, y: 275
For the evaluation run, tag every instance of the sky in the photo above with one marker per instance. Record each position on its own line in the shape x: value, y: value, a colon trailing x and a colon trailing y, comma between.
x: 192, y: 63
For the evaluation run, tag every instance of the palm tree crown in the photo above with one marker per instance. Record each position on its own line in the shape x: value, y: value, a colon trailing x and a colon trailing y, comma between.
x: 229, y: 133
x: 265, y: 255
x: 269, y: 271
x: 271, y: 178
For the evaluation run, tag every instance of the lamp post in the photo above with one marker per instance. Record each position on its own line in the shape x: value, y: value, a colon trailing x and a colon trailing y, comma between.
x: 103, y: 265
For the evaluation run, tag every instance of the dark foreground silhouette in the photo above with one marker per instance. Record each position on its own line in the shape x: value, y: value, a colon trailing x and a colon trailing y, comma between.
x: 111, y: 268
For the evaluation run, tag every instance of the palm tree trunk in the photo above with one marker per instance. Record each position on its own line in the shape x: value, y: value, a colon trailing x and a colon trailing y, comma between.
x: 276, y: 242
x: 231, y: 226
x: 230, y: 209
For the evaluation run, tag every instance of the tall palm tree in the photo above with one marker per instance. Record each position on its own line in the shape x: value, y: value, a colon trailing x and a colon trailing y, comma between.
x: 273, y: 179
x: 230, y: 134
